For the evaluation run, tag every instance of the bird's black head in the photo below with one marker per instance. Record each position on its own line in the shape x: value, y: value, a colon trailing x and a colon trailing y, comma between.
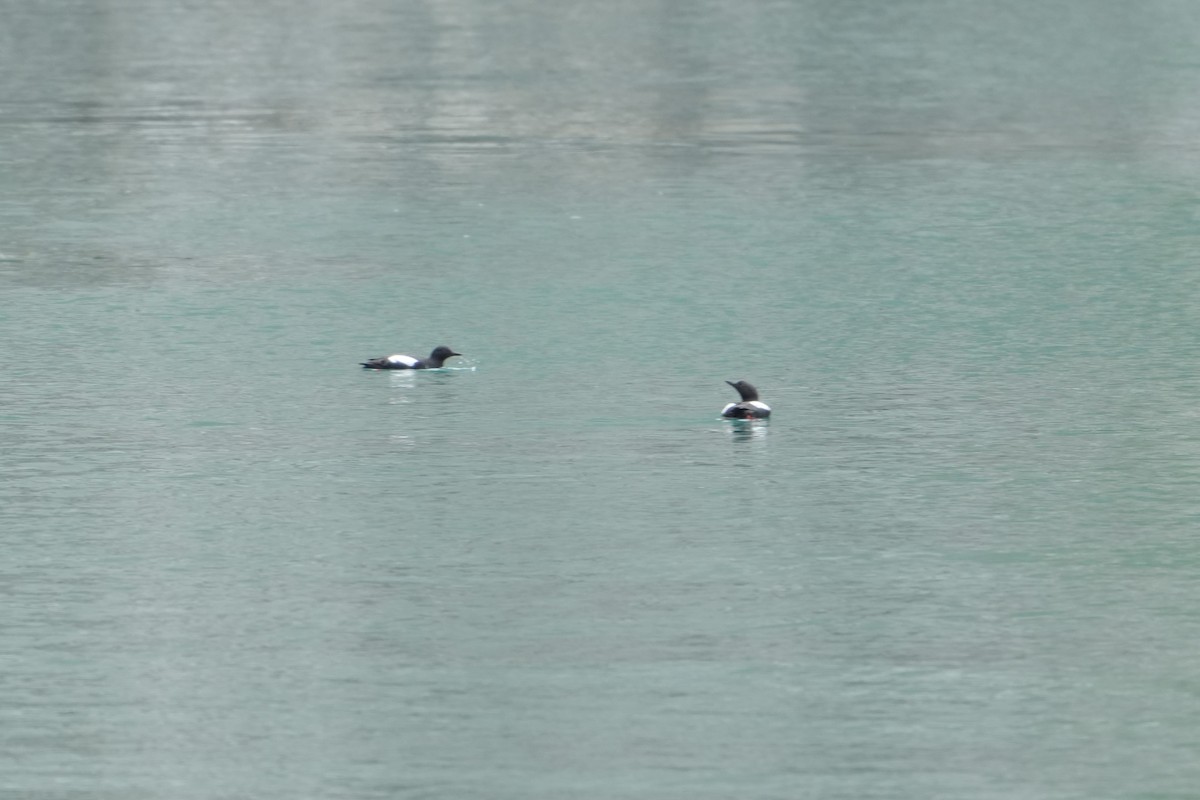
x: 440, y: 354
x: 747, y: 391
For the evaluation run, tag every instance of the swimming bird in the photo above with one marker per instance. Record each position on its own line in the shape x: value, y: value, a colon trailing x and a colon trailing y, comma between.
x: 750, y: 407
x: 436, y: 360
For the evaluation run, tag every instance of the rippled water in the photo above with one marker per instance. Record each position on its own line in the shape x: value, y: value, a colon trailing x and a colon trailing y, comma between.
x: 955, y: 249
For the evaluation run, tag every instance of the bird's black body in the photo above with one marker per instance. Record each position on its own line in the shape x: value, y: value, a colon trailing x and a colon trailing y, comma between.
x: 750, y: 407
x: 436, y: 360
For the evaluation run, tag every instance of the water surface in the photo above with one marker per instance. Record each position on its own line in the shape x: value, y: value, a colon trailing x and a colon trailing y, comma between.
x: 953, y: 248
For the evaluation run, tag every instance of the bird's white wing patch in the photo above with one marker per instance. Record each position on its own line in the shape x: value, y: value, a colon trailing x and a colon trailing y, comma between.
x: 407, y: 361
x: 726, y: 408
x: 759, y: 405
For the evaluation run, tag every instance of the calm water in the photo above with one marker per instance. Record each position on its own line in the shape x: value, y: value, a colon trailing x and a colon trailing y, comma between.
x: 955, y: 248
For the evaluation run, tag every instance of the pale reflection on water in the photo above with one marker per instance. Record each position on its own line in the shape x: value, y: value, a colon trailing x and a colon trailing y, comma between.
x: 750, y: 431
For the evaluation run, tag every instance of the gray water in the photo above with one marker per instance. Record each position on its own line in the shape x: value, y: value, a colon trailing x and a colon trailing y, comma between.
x: 954, y: 245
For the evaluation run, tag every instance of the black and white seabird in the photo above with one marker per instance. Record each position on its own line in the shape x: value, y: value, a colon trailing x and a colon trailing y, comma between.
x: 436, y: 360
x: 750, y: 407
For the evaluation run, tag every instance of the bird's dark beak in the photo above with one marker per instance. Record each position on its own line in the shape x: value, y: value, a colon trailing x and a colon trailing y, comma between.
x: 454, y: 354
x: 731, y: 383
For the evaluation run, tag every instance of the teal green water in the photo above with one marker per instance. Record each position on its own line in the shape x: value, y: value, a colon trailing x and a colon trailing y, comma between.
x: 955, y: 248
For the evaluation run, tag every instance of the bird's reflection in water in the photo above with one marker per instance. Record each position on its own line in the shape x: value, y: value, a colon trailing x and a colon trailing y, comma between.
x: 429, y: 387
x: 401, y: 380
x: 748, y: 430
